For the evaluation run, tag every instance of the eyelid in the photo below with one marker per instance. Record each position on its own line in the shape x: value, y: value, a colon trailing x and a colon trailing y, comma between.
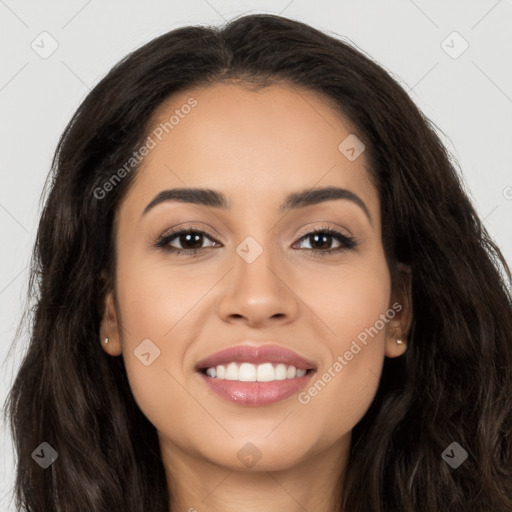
x: 325, y: 226
x: 164, y: 238
x: 306, y: 230
x: 189, y: 227
x: 347, y: 241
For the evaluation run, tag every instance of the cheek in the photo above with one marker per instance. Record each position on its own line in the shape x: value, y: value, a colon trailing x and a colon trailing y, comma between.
x: 154, y: 298
x: 354, y: 305
x: 348, y: 299
x: 155, y: 309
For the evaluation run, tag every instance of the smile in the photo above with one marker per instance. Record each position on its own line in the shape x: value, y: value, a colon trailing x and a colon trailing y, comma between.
x: 248, y: 372
x: 255, y: 375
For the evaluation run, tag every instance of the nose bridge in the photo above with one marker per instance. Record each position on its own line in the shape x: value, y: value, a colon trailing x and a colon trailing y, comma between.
x: 258, y: 250
x: 257, y: 288
x: 255, y: 265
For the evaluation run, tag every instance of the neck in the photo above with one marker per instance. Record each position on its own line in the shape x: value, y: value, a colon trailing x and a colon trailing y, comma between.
x: 312, y: 483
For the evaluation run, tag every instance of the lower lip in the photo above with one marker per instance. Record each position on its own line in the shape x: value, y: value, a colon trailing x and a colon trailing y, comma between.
x: 256, y: 393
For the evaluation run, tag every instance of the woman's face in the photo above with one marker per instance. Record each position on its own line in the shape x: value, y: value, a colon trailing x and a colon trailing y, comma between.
x: 259, y: 279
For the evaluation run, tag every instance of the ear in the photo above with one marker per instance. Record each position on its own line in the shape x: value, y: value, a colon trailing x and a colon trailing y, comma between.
x: 109, y: 327
x: 401, y: 303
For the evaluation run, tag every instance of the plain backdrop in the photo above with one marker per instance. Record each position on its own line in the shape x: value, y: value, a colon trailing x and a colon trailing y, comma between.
x: 454, y: 58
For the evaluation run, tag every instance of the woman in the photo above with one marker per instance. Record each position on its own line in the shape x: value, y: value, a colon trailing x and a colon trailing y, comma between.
x: 261, y: 285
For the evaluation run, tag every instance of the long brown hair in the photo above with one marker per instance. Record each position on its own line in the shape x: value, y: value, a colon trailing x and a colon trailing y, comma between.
x: 454, y: 384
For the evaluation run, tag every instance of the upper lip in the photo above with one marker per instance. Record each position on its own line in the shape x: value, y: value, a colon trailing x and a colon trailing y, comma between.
x: 256, y: 355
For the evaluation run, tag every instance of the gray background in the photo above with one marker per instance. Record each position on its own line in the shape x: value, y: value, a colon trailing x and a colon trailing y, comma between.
x: 468, y: 97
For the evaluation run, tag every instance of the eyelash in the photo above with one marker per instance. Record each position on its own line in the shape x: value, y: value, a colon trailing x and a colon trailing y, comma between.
x: 347, y: 242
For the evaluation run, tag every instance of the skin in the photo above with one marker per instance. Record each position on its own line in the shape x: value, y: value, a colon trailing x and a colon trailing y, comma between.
x: 255, y: 147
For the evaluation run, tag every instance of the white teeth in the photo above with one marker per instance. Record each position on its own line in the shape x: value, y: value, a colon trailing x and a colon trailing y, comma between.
x: 231, y: 372
x: 247, y: 372
x: 265, y: 372
x: 280, y: 372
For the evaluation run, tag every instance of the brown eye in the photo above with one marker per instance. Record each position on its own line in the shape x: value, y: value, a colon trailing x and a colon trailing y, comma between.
x: 189, y: 241
x: 321, y: 239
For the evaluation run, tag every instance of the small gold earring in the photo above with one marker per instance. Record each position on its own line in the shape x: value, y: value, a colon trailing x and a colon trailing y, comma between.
x: 106, y: 340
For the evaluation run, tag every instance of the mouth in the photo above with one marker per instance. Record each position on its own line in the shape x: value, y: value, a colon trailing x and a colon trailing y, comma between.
x: 255, y: 376
x: 248, y: 372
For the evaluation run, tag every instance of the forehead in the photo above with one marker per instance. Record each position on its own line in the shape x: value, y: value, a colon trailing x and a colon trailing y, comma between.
x: 254, y: 145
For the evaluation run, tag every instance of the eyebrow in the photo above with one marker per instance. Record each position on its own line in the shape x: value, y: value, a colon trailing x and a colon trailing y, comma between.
x: 295, y: 200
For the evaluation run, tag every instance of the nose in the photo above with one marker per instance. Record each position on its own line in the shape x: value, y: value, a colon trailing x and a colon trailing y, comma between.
x: 259, y: 293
